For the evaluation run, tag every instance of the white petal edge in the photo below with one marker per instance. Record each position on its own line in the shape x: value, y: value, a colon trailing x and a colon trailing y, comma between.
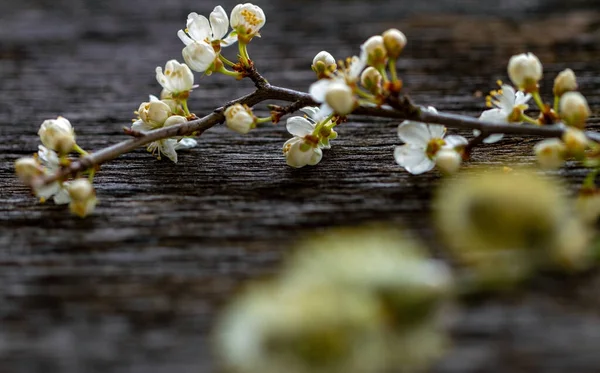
x: 299, y: 126
x: 414, y: 133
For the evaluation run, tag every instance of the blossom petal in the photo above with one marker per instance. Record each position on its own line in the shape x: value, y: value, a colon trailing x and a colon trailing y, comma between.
x: 493, y: 138
x: 186, y: 143
x: 62, y: 197
x: 47, y: 191
x: 437, y: 131
x: 414, y: 133
x: 455, y: 140
x: 230, y: 39
x: 219, y: 23
x: 413, y: 159
x: 522, y: 99
x: 494, y: 115
x: 316, y: 157
x: 318, y: 90
x: 141, y: 126
x: 299, y: 126
x: 311, y: 111
x: 198, y: 27
x: 184, y: 37
x: 167, y: 147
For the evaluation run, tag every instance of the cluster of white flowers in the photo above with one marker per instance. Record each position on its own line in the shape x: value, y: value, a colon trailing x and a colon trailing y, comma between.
x: 58, y: 139
x: 204, y: 39
x: 157, y: 114
x: 337, y: 89
x: 311, y: 134
x: 426, y: 146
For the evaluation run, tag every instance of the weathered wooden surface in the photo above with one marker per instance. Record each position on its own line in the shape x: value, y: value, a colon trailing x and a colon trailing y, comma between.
x: 135, y: 287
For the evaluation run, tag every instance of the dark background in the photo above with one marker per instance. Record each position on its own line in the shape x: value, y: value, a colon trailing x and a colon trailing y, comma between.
x: 136, y: 286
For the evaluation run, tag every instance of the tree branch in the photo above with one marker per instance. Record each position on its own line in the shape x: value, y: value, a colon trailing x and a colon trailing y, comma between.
x: 403, y: 109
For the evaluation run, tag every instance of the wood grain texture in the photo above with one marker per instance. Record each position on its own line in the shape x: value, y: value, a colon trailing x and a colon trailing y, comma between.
x: 136, y: 287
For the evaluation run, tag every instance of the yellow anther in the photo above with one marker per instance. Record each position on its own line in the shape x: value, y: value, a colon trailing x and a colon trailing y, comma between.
x: 499, y: 82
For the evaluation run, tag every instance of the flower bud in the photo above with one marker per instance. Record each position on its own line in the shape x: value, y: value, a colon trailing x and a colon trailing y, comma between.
x: 27, y: 169
x: 565, y: 82
x: 83, y: 197
x: 376, y: 51
x: 525, y: 71
x: 154, y: 113
x: 394, y: 41
x: 448, y: 161
x: 239, y: 118
x: 340, y: 97
x: 574, y: 109
x: 247, y: 19
x: 174, y: 120
x: 81, y: 190
x: 57, y: 134
x: 550, y: 153
x: 323, y: 64
x: 575, y: 141
x: 371, y: 80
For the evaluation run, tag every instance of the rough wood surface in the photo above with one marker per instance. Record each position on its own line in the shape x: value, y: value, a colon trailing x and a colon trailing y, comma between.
x: 135, y: 287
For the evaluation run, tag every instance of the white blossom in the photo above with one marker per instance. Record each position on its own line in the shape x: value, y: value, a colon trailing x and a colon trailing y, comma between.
x: 51, y: 164
x: 305, y: 148
x: 177, y: 78
x: 421, y: 144
x: 525, y: 70
x: 336, y: 94
x: 167, y: 147
x: 247, y: 19
x: 153, y: 114
x: 201, y: 35
x: 506, y: 102
x: 57, y: 134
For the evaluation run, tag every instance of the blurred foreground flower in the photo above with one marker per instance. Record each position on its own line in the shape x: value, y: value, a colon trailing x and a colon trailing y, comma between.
x: 503, y: 226
x: 364, y: 300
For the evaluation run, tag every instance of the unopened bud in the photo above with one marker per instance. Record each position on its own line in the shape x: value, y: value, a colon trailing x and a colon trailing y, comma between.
x: 376, y: 51
x: 565, y: 82
x: 323, y: 64
x: 58, y: 135
x: 81, y: 190
x: 448, y: 161
x: 574, y: 109
x: 550, y: 153
x: 27, y: 169
x: 525, y: 70
x: 575, y: 141
x: 394, y: 41
x: 371, y: 80
x: 239, y: 118
x: 340, y: 97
